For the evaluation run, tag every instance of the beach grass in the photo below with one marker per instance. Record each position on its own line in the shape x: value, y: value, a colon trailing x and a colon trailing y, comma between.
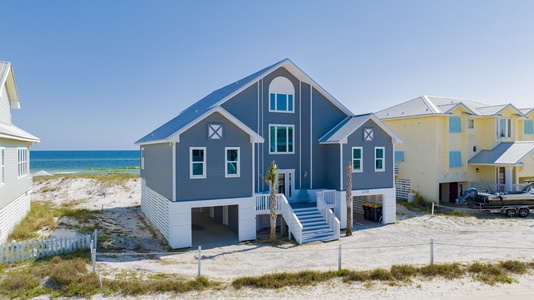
x: 69, y: 276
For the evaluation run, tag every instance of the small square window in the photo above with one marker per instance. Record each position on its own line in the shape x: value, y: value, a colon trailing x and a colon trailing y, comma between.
x: 368, y: 134
x: 470, y: 124
x: 215, y: 131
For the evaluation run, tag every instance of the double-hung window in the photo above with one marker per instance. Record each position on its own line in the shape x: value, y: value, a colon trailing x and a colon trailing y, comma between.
x: 197, y: 159
x: 504, y: 128
x: 379, y: 159
x: 470, y: 124
x: 232, y: 162
x: 22, y: 162
x: 357, y: 156
x: 2, y: 166
x: 281, y: 102
x: 281, y: 138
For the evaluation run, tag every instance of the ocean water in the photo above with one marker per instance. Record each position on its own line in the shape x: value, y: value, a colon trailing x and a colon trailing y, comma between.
x: 85, y: 162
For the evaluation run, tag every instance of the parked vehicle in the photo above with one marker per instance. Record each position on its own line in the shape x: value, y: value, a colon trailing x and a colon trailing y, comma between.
x: 520, y: 203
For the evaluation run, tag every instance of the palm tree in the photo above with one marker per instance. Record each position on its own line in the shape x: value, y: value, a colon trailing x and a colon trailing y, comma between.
x: 271, y: 179
x: 348, y: 193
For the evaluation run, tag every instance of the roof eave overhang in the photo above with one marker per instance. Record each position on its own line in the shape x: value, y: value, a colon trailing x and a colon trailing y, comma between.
x: 19, y: 138
x: 175, y: 137
x: 517, y: 164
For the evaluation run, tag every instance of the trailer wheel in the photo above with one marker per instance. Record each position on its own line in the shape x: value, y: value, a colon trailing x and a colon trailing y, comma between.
x: 523, y: 212
x: 510, y: 213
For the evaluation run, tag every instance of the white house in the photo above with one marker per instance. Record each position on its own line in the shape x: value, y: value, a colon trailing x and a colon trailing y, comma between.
x: 15, y: 143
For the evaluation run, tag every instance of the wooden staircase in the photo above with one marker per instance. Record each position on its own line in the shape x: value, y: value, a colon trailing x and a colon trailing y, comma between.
x: 314, y: 226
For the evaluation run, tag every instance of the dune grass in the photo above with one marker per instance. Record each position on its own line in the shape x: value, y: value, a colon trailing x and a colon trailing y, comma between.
x: 69, y: 276
x: 490, y: 274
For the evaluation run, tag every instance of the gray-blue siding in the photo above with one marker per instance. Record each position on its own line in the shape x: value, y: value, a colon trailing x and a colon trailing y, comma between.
x: 157, y: 169
x: 325, y: 116
x: 369, y: 179
x: 215, y: 185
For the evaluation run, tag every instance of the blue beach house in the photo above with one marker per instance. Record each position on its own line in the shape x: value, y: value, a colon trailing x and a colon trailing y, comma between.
x: 15, y: 179
x: 212, y: 158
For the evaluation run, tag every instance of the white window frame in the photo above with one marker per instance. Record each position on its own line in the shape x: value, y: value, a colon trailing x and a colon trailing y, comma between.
x: 287, y: 139
x: 226, y: 162
x: 507, y: 128
x: 2, y: 166
x: 22, y: 162
x: 142, y: 158
x: 204, y: 163
x: 470, y: 122
x: 354, y: 170
x: 287, y: 103
x: 383, y: 159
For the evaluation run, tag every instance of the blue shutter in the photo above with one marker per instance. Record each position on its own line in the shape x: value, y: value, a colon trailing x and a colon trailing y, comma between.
x: 399, y: 156
x: 455, y: 159
x: 455, y: 124
x: 528, y: 127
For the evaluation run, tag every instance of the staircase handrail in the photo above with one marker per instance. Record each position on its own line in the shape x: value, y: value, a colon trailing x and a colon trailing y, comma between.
x: 329, y: 216
x: 295, y: 227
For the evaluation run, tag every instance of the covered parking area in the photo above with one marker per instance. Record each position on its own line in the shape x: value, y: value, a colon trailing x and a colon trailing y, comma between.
x: 215, y: 226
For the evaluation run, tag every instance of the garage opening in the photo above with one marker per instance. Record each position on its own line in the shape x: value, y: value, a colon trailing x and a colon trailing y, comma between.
x: 357, y: 206
x: 215, y: 225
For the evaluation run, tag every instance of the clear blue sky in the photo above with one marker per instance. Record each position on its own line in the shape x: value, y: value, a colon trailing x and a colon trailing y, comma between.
x: 102, y: 74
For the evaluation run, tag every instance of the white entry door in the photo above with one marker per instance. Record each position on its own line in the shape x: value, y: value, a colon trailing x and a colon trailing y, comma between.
x: 285, y: 183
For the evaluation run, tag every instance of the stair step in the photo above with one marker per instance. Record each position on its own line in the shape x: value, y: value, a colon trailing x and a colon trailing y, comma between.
x: 312, y: 221
x: 304, y: 209
x: 325, y: 237
x: 315, y: 227
x: 311, y: 218
x: 315, y: 223
x: 307, y: 214
x: 317, y: 215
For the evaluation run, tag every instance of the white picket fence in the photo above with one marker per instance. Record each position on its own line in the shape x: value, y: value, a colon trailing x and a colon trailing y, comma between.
x: 20, y: 251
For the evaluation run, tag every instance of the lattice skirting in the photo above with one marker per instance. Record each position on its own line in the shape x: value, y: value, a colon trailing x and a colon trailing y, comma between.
x: 12, y: 214
x: 156, y: 208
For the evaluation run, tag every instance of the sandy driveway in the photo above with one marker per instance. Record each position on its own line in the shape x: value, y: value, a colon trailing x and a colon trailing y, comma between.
x: 462, y: 239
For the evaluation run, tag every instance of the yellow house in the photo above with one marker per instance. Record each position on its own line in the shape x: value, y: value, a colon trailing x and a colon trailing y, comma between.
x: 453, y: 144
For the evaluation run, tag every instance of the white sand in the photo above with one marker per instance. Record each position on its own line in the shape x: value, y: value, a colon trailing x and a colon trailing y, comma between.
x: 457, y: 239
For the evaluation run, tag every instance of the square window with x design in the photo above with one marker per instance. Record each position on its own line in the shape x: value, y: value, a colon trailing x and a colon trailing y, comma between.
x: 215, y: 131
x: 368, y: 134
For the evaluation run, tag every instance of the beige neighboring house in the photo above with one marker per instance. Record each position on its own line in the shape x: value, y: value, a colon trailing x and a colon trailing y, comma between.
x: 15, y: 143
x: 453, y: 144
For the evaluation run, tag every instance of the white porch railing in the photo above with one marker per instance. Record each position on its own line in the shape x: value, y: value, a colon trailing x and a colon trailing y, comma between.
x: 329, y: 216
x: 263, y: 205
x: 14, y: 252
x: 329, y: 196
x: 397, y: 168
x: 295, y: 227
x: 495, y: 187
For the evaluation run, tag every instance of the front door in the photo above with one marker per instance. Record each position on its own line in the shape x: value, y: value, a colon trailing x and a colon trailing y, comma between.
x: 285, y: 183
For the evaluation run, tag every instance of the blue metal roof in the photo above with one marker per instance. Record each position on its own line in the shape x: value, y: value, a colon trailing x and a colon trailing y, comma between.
x: 200, y: 107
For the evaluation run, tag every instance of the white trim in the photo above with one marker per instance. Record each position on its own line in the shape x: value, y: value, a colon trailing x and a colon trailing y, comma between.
x: 2, y: 166
x: 204, y: 163
x: 253, y: 170
x: 175, y: 137
x: 287, y: 138
x: 311, y: 137
x: 174, y: 172
x: 342, y: 167
x: 508, y: 127
x: 383, y: 159
x: 361, y: 159
x: 142, y: 158
x: 300, y: 134
x: 226, y: 175
x: 299, y: 74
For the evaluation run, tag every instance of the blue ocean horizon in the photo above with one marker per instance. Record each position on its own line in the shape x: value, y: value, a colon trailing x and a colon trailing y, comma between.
x: 85, y: 161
